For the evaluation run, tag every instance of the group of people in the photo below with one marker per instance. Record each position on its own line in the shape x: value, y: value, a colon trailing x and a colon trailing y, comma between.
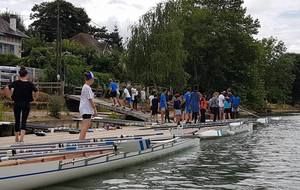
x: 129, y: 97
x: 186, y: 107
x: 193, y: 106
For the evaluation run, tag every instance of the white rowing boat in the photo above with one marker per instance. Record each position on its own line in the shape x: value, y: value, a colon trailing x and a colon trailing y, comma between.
x: 230, y: 130
x: 34, y: 173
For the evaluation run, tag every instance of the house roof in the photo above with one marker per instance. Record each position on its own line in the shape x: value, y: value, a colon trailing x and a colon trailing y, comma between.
x: 89, y: 41
x: 5, y: 29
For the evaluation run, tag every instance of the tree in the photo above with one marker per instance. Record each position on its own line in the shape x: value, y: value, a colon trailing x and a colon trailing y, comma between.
x: 73, y: 20
x: 279, y: 75
x: 115, y: 40
x: 155, y: 51
x: 296, y: 84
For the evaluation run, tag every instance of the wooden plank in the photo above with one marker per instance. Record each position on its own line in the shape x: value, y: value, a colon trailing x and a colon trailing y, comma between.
x: 136, y: 114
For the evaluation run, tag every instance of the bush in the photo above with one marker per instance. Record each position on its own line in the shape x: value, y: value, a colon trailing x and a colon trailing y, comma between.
x: 55, y: 106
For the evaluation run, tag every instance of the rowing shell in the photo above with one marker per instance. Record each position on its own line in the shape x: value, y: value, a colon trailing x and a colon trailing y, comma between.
x: 226, y: 131
x: 29, y: 176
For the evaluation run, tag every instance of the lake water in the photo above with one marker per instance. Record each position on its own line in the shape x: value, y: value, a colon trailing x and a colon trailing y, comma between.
x: 269, y: 158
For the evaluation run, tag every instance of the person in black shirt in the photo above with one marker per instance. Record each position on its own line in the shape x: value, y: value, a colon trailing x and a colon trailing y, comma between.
x: 21, y: 92
x: 154, y: 107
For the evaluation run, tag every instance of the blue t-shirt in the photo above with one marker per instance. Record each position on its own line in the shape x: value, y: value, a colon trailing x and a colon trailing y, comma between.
x: 236, y: 101
x: 187, y: 99
x: 163, y: 101
x: 113, y: 86
x: 227, y: 104
x: 232, y: 97
x: 194, y: 101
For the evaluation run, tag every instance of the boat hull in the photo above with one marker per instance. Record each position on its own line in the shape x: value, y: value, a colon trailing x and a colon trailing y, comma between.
x: 226, y: 131
x: 29, y: 176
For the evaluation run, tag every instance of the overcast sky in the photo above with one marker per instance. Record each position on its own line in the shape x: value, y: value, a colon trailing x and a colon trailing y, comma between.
x: 278, y: 18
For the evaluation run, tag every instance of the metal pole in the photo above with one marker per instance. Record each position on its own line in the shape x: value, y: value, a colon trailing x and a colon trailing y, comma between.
x: 58, y: 41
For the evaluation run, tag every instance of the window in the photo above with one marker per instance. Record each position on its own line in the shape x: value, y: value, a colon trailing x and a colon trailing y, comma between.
x: 7, y: 49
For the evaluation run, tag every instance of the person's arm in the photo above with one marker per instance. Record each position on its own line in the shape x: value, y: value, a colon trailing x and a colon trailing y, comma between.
x: 93, y: 106
x: 90, y: 98
x: 8, y: 90
x: 35, y: 92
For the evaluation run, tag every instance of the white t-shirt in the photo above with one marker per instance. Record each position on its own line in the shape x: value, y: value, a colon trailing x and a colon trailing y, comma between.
x: 133, y: 92
x: 85, y: 106
x: 126, y: 93
x: 151, y: 98
x: 143, y: 95
x: 221, y: 100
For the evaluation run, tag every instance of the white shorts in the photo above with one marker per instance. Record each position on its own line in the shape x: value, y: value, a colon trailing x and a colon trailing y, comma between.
x: 177, y: 112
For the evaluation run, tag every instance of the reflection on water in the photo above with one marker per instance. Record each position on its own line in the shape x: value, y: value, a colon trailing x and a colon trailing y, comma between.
x: 269, y: 158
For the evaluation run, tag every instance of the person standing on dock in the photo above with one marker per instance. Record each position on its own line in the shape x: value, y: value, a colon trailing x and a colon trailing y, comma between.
x: 143, y: 99
x: 177, y: 108
x: 214, y: 105
x: 203, y: 108
x: 188, y: 111
x: 194, y: 104
x: 154, y: 107
x: 227, y: 107
x: 113, y: 87
x: 221, y: 105
x: 87, y: 107
x: 127, y: 97
x: 236, y: 106
x: 163, y: 105
x: 21, y: 92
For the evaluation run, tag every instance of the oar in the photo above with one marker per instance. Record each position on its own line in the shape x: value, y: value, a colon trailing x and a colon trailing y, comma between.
x: 248, y: 112
x: 43, y: 154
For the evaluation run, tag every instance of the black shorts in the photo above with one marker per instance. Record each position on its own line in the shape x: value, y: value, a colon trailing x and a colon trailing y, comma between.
x: 86, y: 116
x: 113, y: 94
x: 227, y: 110
x: 154, y: 111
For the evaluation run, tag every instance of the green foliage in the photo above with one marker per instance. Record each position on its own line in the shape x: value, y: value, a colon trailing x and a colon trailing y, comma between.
x: 55, y: 106
x: 9, y: 60
x: 296, y: 84
x: 155, y: 51
x: 73, y: 19
x: 211, y: 41
x: 279, y: 75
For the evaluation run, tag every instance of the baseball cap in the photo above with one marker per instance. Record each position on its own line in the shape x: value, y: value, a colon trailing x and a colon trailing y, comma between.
x: 89, y: 75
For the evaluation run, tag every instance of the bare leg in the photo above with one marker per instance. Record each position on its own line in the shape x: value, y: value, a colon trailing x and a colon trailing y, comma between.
x: 86, y: 123
x: 162, y: 116
x: 23, y: 132
x: 17, y: 136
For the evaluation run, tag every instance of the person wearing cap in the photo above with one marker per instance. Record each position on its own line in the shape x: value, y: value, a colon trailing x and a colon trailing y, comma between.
x: 87, y: 107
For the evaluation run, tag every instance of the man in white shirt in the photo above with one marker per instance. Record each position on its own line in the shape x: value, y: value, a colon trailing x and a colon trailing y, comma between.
x: 221, y: 105
x: 87, y: 107
x: 143, y: 99
x: 127, y: 97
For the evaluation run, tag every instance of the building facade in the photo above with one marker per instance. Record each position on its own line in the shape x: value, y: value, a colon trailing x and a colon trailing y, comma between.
x: 10, y: 37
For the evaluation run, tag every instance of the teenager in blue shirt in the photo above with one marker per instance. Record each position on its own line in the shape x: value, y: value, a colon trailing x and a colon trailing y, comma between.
x: 113, y: 87
x: 194, y: 104
x: 163, y: 105
x: 188, y: 111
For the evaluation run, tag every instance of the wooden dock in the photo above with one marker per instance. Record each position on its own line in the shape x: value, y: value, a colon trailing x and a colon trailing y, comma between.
x: 108, y: 106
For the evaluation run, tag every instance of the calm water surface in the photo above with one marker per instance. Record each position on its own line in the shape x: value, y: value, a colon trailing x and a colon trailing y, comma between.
x: 269, y: 158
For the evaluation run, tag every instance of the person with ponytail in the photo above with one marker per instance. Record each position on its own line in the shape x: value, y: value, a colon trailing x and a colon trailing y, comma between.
x: 21, y: 92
